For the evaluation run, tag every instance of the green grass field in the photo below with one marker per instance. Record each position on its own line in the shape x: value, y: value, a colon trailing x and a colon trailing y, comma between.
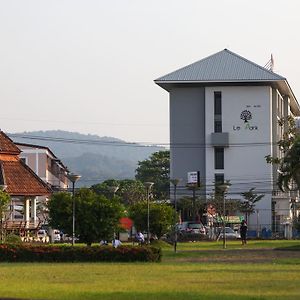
x: 198, y: 271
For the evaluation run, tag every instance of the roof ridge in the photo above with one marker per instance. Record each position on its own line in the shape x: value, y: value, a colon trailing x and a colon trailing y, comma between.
x: 225, y: 52
x: 9, y: 145
x: 182, y: 68
x: 253, y: 63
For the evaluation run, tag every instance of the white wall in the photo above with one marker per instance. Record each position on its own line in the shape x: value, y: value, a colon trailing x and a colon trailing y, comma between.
x: 244, y: 160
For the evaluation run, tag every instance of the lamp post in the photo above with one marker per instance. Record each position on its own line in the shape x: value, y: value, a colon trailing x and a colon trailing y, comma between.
x: 193, y: 187
x: 257, y: 223
x: 148, y: 186
x: 175, y: 182
x: 73, y: 178
x: 223, y: 189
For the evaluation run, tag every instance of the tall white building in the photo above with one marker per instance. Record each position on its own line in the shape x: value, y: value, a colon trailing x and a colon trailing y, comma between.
x: 224, y: 112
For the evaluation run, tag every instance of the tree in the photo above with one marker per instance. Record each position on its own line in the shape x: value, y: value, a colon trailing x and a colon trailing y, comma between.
x: 96, y: 217
x: 129, y: 191
x: 215, y: 204
x: 156, y: 169
x: 248, y: 205
x: 161, y: 217
x: 104, y: 188
x: 288, y: 163
x: 192, y: 210
x: 4, y: 200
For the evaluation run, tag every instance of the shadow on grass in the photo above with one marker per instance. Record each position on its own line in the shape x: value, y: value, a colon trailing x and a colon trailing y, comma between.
x: 289, y: 248
x: 166, y: 296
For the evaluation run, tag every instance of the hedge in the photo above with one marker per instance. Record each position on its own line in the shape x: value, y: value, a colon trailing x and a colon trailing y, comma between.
x: 49, y: 253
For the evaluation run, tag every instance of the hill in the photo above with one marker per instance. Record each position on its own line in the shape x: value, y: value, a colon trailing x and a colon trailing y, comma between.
x: 95, y: 158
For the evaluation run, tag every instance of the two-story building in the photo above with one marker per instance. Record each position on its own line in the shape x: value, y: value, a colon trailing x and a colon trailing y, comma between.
x: 23, y: 185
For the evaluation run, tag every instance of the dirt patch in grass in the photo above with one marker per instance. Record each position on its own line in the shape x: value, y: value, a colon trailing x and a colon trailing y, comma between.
x: 238, y: 256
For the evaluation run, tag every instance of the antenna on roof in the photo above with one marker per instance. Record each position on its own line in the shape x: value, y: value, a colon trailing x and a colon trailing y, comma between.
x: 270, y: 64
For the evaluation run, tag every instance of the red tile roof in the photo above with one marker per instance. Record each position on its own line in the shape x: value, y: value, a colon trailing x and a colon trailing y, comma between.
x: 16, y: 176
x: 7, y: 145
x: 21, y: 180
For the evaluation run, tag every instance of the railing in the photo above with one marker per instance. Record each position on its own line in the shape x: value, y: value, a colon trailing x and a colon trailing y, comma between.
x: 21, y: 226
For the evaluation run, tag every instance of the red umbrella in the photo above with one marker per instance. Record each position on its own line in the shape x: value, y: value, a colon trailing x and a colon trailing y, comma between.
x: 126, y: 223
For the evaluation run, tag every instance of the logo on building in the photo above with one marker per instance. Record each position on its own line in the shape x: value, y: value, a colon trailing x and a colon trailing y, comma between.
x: 246, y: 116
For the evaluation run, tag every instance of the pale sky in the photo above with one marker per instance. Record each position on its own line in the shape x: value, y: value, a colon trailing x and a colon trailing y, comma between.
x: 89, y: 65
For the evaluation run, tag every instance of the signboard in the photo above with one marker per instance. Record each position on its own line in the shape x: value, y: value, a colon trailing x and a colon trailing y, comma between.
x: 231, y: 219
x: 194, y: 177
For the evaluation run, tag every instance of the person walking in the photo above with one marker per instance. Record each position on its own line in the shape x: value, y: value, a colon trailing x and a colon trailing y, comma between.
x: 243, y: 232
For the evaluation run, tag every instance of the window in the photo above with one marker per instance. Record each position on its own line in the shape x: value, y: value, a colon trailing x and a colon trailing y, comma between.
x: 219, y: 179
x: 218, y: 103
x: 218, y: 111
x: 218, y: 126
x: 219, y: 158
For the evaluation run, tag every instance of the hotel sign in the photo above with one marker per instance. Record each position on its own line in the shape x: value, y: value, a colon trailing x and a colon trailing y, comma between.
x: 246, y: 116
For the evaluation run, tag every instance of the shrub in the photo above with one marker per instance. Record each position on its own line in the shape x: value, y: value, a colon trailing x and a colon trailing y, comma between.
x: 45, y: 253
x: 13, y: 239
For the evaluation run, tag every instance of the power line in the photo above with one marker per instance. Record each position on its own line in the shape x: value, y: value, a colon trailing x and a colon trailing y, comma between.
x: 134, y: 144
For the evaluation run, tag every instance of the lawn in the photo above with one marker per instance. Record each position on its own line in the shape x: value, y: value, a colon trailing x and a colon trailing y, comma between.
x: 198, y: 271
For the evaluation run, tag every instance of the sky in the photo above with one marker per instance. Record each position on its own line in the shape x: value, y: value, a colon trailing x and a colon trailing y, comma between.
x: 88, y: 65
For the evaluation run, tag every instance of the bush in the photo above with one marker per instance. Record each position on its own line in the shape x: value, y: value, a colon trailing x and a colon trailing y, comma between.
x: 43, y: 253
x: 13, y: 239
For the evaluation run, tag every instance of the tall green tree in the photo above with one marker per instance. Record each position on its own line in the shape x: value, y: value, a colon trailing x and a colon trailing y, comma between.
x: 96, y: 216
x: 161, y: 217
x: 156, y: 169
x: 289, y: 162
x: 4, y: 201
x: 129, y: 191
x: 248, y: 205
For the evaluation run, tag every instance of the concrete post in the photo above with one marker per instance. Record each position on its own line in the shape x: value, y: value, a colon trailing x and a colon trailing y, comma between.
x: 33, y: 210
x: 27, y: 211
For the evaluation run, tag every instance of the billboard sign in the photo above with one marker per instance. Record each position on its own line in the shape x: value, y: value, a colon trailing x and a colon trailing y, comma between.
x: 193, y: 177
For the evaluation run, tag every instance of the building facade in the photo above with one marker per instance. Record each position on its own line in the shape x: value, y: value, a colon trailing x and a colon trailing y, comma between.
x: 23, y: 185
x: 224, y: 112
x: 45, y: 164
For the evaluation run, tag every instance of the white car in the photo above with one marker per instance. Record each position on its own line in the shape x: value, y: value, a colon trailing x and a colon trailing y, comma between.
x: 229, y: 233
x: 42, y: 235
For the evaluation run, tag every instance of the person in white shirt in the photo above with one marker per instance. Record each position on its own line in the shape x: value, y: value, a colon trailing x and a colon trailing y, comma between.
x: 116, y: 243
x: 140, y: 238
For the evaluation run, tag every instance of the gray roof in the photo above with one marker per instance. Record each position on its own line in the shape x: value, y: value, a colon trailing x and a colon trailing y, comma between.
x: 224, y: 66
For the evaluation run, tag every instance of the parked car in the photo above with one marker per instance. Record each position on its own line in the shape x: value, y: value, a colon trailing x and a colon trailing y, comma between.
x: 191, y: 230
x: 229, y: 233
x: 42, y: 235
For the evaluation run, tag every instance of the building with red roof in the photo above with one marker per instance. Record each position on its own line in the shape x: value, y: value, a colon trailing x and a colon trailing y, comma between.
x: 21, y: 183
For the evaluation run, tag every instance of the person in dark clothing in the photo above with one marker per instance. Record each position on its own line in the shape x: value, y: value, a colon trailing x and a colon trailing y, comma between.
x: 243, y: 232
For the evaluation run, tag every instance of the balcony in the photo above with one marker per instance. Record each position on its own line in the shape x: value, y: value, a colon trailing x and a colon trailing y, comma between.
x: 220, y: 139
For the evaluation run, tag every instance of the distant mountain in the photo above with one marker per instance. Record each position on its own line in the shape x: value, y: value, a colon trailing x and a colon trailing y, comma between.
x: 95, y: 158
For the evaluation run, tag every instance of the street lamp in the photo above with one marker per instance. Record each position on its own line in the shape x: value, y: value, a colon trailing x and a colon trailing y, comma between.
x: 73, y: 178
x: 223, y: 189
x: 175, y: 182
x: 193, y: 186
x: 148, y: 186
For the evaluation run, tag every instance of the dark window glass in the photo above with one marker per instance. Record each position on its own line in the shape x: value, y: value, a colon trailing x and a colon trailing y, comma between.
x: 219, y: 158
x: 218, y: 111
x: 219, y: 179
x: 218, y: 103
x: 218, y: 126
